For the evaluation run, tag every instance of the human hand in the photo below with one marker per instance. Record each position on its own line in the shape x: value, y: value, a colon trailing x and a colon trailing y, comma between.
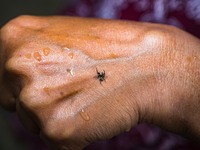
x: 48, y: 66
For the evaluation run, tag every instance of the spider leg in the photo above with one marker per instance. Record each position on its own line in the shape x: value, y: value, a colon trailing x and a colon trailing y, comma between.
x: 97, y: 70
x: 97, y: 76
x: 100, y: 82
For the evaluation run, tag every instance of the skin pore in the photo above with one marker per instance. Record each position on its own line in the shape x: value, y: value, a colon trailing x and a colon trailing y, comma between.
x: 152, y: 76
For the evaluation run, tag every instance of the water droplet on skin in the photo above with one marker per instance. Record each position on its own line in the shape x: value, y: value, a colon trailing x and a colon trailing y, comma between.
x: 70, y: 71
x: 84, y: 115
x: 37, y: 56
x: 46, y: 89
x: 189, y: 59
x: 71, y: 55
x: 64, y: 48
x: 46, y: 51
x: 28, y: 56
x: 113, y: 55
x: 195, y: 57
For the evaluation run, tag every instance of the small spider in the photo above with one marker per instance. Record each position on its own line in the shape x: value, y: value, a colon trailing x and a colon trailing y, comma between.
x: 101, y: 76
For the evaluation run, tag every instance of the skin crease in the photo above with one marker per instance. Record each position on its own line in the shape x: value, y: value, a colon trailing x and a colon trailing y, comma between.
x: 47, y: 69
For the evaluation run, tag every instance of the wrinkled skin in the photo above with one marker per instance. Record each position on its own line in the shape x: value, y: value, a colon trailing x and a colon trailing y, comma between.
x: 47, y: 74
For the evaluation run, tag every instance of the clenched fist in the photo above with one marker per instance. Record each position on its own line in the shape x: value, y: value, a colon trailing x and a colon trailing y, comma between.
x: 74, y: 81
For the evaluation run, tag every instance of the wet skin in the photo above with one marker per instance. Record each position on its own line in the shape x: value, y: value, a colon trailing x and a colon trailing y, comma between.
x: 47, y: 69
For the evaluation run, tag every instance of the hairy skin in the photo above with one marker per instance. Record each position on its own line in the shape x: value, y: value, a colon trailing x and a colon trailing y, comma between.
x: 47, y: 69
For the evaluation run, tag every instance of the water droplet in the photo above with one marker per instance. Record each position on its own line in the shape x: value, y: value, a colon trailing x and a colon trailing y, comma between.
x: 71, y: 55
x: 195, y: 57
x: 84, y: 115
x: 46, y: 51
x: 37, y: 56
x: 46, y: 89
x: 70, y: 71
x: 28, y: 56
x: 189, y: 59
x: 113, y: 55
x: 64, y: 48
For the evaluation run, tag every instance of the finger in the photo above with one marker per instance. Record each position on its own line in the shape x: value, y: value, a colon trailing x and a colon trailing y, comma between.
x: 26, y: 119
x: 7, y: 99
x: 9, y: 92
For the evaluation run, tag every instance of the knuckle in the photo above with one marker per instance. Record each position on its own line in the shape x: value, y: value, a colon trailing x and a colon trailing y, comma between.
x: 60, y: 129
x: 60, y: 134
x: 159, y: 34
x: 10, y: 28
x: 31, y: 99
x: 19, y: 66
x: 31, y: 22
x: 22, y: 26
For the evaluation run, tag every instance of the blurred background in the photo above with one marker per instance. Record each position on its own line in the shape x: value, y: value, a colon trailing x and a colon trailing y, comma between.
x: 184, y: 14
x: 10, y: 9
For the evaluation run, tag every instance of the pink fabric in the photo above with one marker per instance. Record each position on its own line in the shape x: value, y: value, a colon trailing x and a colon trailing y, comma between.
x: 184, y: 14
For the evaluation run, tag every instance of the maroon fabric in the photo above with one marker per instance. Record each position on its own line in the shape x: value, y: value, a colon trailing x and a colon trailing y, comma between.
x: 184, y: 14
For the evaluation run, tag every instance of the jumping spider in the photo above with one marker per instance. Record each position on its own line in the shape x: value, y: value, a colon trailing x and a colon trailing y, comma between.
x: 101, y: 76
